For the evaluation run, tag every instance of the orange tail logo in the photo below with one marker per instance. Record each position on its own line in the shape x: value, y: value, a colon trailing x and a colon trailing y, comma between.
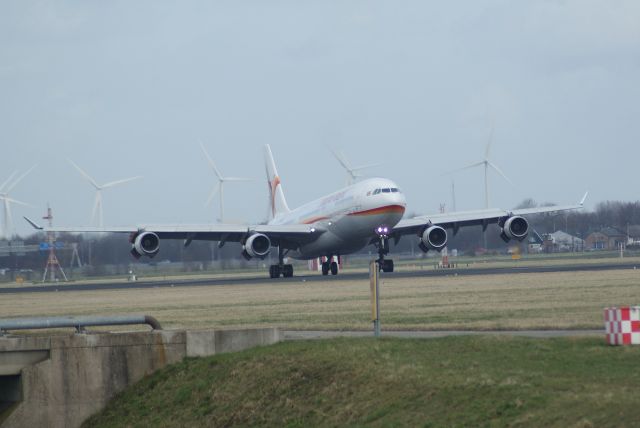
x: 273, y: 186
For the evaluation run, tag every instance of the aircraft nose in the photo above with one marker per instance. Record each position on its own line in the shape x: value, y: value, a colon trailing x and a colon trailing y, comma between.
x: 396, y: 198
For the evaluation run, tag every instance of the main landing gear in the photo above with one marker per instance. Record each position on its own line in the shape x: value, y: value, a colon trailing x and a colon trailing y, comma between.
x: 386, y: 265
x: 329, y: 266
x: 281, y: 269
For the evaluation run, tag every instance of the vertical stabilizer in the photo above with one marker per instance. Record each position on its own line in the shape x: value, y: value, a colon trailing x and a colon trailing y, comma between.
x: 277, y: 200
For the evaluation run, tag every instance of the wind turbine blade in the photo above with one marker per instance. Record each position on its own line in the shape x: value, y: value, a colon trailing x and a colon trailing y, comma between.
x: 342, y: 159
x: 84, y: 174
x: 124, y: 180
x: 486, y: 153
x: 14, y: 201
x: 463, y: 168
x: 13, y: 174
x: 213, y: 165
x: 370, y: 165
x: 495, y: 167
x: 19, y: 179
x: 213, y: 194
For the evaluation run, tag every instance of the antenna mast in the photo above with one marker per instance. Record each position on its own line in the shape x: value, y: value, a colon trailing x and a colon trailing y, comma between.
x: 52, y: 260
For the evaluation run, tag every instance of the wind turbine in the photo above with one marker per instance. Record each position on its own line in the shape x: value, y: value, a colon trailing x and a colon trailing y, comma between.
x: 97, y: 205
x: 352, y: 171
x: 487, y: 164
x: 219, y: 188
x: 5, y: 188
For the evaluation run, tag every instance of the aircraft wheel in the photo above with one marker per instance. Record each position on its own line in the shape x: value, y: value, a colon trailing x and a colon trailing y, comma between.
x: 334, y: 268
x: 387, y: 266
x: 274, y: 271
x: 287, y: 271
x: 325, y: 268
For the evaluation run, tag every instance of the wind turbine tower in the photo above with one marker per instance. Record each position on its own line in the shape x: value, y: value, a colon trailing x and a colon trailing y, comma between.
x: 219, y: 188
x: 487, y: 165
x: 97, y: 205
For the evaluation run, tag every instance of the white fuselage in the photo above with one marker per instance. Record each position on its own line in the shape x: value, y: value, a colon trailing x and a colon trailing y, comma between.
x: 349, y: 216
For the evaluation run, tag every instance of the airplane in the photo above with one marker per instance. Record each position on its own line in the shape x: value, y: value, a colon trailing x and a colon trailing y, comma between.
x: 366, y: 213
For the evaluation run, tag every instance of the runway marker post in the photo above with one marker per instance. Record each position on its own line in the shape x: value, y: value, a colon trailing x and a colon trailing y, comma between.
x: 374, y: 284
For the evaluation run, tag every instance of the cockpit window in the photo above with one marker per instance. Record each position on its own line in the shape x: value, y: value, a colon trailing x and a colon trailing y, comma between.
x: 375, y: 192
x: 386, y: 190
x: 394, y: 190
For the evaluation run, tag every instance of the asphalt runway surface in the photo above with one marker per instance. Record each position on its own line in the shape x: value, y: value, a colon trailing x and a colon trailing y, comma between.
x: 306, y: 276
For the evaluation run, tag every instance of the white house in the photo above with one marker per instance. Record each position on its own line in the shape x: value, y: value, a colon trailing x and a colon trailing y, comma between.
x: 562, y: 241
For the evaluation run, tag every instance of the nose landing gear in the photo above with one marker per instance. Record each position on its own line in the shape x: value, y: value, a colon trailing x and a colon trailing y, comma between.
x: 386, y: 265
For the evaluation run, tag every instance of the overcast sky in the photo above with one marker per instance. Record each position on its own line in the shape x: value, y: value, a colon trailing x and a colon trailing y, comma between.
x: 128, y: 88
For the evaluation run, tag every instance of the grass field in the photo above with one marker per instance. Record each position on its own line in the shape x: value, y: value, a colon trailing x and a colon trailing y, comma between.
x: 519, y: 301
x: 454, y: 381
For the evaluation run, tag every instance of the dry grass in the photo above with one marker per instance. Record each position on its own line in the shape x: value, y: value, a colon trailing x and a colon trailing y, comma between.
x: 525, y: 261
x: 520, y: 301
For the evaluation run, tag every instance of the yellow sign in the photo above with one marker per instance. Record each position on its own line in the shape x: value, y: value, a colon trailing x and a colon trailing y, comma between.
x: 515, y: 253
x: 19, y: 280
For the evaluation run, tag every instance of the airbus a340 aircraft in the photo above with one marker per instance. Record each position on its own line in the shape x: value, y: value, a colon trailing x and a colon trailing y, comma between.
x: 366, y: 213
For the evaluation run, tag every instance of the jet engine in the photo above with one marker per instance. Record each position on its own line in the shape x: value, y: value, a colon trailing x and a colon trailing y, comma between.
x: 145, y: 244
x: 515, y: 227
x: 256, y: 245
x: 433, y: 238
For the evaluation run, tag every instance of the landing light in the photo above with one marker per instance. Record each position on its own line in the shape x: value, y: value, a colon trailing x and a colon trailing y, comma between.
x: 382, y: 230
x: 313, y: 229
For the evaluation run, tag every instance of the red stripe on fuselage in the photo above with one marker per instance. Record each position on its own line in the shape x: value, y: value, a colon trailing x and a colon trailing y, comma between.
x: 382, y: 210
x: 375, y: 211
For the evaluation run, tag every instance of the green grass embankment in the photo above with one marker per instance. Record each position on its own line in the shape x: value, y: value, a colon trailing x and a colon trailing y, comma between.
x: 454, y: 381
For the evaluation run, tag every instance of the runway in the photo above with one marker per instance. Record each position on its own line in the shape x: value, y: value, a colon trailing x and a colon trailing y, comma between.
x: 306, y: 276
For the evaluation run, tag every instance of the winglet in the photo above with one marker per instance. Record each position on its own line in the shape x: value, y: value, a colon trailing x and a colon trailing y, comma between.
x: 34, y: 225
x: 584, y: 198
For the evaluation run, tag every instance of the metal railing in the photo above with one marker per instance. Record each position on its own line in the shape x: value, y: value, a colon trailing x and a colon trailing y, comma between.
x: 79, y: 323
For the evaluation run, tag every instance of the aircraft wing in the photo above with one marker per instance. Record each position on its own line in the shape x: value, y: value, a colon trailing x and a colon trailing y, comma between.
x: 485, y: 217
x: 291, y: 235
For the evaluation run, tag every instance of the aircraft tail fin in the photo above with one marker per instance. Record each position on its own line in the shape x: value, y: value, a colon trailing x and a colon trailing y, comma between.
x: 277, y: 201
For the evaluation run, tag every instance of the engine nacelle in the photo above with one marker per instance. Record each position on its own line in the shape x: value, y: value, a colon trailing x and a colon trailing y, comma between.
x: 515, y: 227
x: 145, y: 244
x: 433, y: 238
x: 256, y: 245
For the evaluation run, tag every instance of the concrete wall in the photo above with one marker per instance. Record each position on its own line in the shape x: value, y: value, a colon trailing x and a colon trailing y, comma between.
x: 62, y: 380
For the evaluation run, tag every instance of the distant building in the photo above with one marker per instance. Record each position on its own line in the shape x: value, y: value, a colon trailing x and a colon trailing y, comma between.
x: 608, y: 238
x: 562, y: 242
x: 633, y: 236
